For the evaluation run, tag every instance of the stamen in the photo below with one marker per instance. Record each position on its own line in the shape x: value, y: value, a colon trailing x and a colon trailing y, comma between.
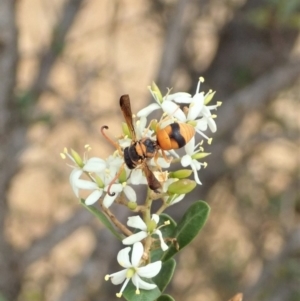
x: 209, y: 141
x: 204, y: 164
x: 63, y: 156
x: 201, y: 79
x: 106, y: 278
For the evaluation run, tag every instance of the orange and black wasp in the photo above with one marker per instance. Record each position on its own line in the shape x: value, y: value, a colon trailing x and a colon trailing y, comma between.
x: 140, y: 150
x: 173, y: 136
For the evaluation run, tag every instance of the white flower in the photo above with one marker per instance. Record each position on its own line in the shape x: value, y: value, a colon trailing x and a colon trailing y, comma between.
x: 133, y: 270
x: 187, y: 159
x: 166, y: 105
x: 86, y: 165
x: 91, y: 165
x: 180, y: 97
x: 197, y: 108
x: 137, y: 222
x: 101, y: 181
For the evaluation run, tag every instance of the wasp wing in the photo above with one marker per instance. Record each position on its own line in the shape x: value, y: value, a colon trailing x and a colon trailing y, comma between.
x: 151, y: 179
x: 126, y: 109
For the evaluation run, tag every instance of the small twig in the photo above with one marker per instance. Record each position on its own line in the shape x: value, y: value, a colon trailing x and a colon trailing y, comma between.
x: 115, y: 221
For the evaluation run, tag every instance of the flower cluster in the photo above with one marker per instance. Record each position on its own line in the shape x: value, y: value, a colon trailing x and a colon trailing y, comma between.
x: 111, y: 179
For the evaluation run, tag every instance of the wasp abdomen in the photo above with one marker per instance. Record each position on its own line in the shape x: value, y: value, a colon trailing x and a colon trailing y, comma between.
x: 131, y: 157
x: 175, y: 135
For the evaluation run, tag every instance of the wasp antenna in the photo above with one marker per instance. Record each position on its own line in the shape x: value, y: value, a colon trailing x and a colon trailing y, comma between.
x: 108, y: 190
x: 105, y: 127
x: 114, y: 180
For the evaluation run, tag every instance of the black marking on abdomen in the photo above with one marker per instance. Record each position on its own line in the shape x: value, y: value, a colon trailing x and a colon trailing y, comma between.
x: 130, y: 164
x: 131, y: 157
x: 176, y: 135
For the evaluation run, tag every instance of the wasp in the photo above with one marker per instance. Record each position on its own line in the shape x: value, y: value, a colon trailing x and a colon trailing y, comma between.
x: 173, y: 136
x: 140, y: 150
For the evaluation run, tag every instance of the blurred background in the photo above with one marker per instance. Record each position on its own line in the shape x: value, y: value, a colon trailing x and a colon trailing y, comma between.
x: 64, y: 65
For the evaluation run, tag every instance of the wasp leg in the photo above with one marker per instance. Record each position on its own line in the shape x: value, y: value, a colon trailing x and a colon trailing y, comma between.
x: 165, y: 117
x: 114, y: 180
x: 168, y: 160
x: 117, y: 146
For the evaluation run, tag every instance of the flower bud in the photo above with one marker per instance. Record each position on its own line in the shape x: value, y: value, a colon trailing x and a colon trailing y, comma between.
x: 132, y: 205
x: 182, y: 186
x: 151, y: 226
x: 199, y: 156
x: 123, y: 176
x: 125, y: 129
x: 157, y: 92
x: 154, y: 125
x: 180, y: 174
x: 77, y: 158
x: 99, y: 181
x: 209, y: 96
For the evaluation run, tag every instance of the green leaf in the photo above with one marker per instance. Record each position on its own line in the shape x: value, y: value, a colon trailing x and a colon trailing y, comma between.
x: 165, y: 275
x: 188, y: 228
x: 165, y: 298
x: 145, y: 295
x: 167, y: 232
x: 102, y: 217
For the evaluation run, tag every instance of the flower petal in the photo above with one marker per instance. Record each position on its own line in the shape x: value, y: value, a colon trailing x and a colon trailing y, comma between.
x: 118, y: 277
x: 130, y: 193
x: 84, y: 184
x: 163, y: 245
x: 94, y: 165
x: 149, y: 109
x: 212, y: 124
x: 186, y: 160
x: 108, y: 200
x: 177, y: 199
x: 196, y: 177
x: 201, y: 124
x: 139, y: 283
x: 155, y: 217
x: 137, y: 177
x: 93, y: 197
x: 180, y: 97
x: 174, y: 110
x: 136, y: 222
x: 74, y: 176
x: 123, y: 258
x: 134, y: 238
x: 195, y: 107
x: 137, y: 253
x: 189, y: 147
x: 150, y: 270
